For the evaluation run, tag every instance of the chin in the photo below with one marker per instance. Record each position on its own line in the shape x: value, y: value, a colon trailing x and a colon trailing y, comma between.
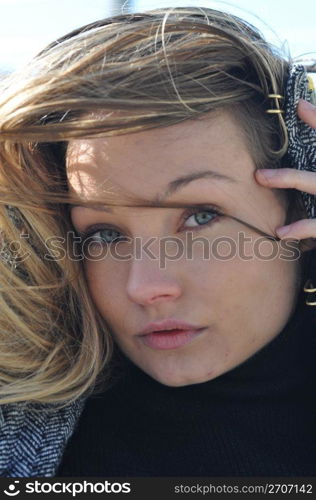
x: 179, y: 380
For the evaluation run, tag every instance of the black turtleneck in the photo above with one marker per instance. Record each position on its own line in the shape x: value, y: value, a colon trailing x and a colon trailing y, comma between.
x: 258, y: 419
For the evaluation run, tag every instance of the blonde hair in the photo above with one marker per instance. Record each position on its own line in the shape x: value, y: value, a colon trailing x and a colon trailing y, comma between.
x: 159, y: 67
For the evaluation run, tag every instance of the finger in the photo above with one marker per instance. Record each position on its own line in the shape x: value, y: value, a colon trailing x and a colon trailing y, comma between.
x: 300, y: 230
x: 307, y: 112
x: 302, y: 180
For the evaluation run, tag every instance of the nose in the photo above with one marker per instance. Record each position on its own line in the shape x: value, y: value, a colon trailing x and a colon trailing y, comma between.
x: 150, y: 284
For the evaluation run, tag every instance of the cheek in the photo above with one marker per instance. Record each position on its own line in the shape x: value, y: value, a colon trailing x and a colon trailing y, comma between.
x: 106, y: 284
x: 249, y: 291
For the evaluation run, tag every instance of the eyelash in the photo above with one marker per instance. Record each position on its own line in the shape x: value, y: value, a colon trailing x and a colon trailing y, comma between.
x: 188, y: 213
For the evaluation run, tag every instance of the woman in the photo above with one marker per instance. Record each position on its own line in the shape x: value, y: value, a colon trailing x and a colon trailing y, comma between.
x: 152, y: 308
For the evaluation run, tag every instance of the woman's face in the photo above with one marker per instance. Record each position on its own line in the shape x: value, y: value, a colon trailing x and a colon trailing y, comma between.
x: 234, y: 295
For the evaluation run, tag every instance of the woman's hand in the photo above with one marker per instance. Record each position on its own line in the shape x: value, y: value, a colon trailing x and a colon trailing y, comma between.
x: 293, y: 178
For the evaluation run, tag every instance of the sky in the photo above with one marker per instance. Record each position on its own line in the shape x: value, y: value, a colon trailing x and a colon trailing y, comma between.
x: 26, y: 26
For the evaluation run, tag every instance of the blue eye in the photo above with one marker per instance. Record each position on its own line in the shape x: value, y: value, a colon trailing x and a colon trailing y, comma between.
x: 201, y: 217
x: 107, y: 236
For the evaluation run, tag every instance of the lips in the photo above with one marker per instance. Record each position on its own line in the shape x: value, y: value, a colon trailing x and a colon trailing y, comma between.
x: 169, y: 334
x: 171, y: 331
x: 168, y: 325
x: 171, y: 339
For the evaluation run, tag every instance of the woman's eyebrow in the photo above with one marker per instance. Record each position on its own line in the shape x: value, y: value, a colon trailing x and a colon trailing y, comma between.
x: 171, y: 188
x: 180, y: 182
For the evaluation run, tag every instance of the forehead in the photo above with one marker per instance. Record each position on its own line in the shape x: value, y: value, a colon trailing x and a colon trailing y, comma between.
x: 146, y: 162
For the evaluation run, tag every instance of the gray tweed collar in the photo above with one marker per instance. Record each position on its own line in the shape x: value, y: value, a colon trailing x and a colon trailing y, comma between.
x: 301, y: 153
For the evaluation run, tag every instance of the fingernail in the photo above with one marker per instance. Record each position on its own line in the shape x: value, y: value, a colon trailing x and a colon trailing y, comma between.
x: 282, y: 231
x: 268, y: 172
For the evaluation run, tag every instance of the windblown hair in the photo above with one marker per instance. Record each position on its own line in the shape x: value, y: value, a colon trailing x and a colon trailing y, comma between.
x: 157, y: 68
